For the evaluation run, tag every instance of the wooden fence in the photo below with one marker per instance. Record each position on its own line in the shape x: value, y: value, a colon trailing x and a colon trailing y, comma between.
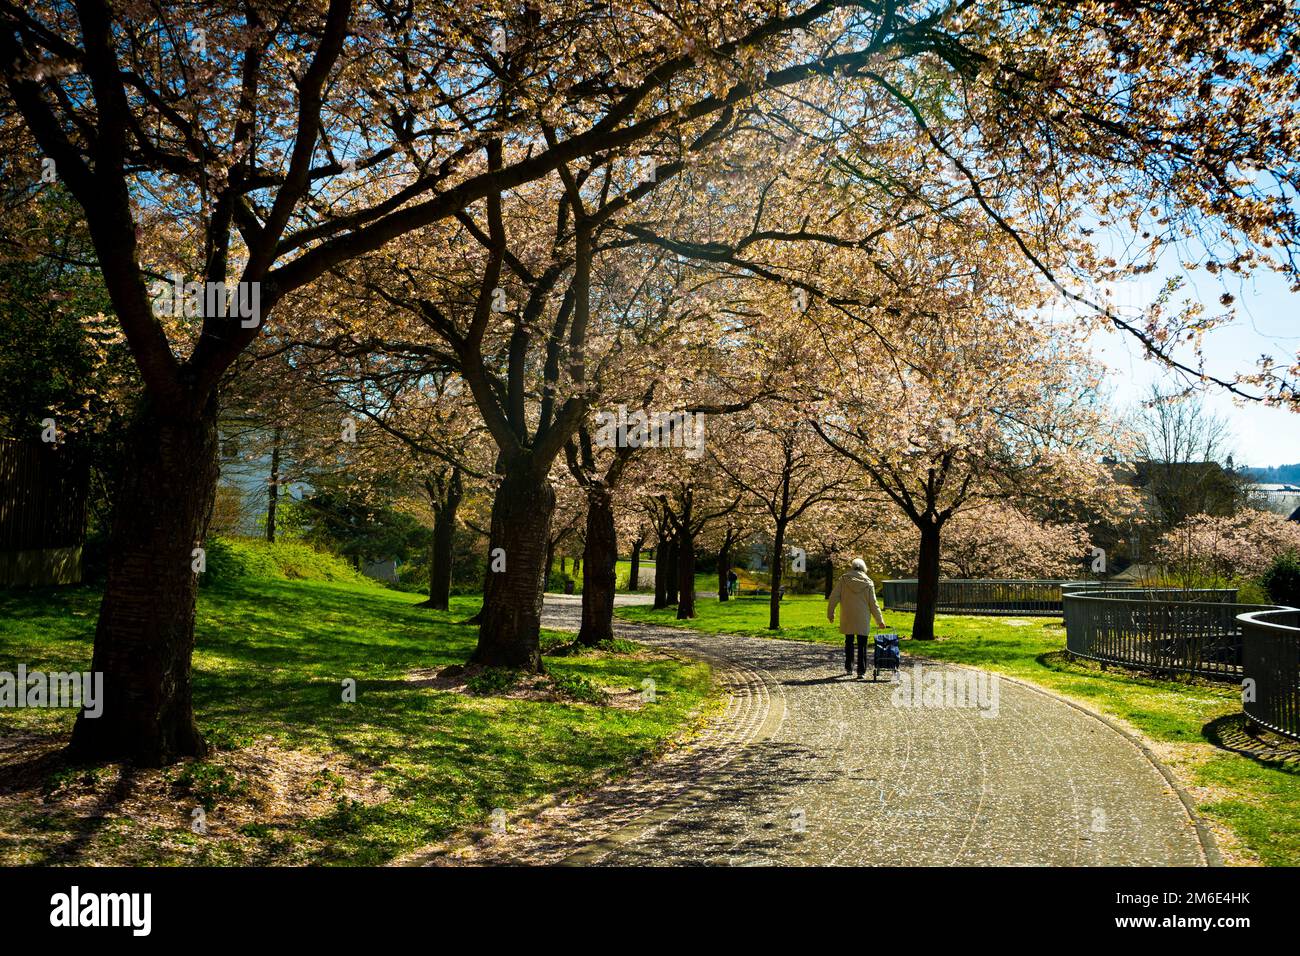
x: 42, y: 513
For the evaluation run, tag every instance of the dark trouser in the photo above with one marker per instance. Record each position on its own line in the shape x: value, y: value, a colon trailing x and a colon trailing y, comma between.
x: 863, y: 640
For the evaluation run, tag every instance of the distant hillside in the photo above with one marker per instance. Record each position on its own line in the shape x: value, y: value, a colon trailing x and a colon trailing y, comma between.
x: 1277, y: 474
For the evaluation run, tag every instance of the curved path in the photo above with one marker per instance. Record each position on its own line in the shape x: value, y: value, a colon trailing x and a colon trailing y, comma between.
x: 808, y: 767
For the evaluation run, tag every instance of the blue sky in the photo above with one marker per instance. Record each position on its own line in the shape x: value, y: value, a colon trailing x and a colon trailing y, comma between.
x: 1268, y: 320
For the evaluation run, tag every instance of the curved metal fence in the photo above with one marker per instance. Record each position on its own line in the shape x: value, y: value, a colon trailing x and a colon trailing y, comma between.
x: 1192, y: 631
x: 1271, y: 664
x: 1039, y: 597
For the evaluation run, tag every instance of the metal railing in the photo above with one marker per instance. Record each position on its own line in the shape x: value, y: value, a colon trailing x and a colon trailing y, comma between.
x: 1037, y: 597
x: 1271, y: 665
x: 1169, y: 630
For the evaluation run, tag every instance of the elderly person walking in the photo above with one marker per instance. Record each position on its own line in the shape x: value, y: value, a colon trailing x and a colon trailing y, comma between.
x: 856, y: 596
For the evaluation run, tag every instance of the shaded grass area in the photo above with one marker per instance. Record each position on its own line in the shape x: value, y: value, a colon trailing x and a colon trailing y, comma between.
x: 404, y: 766
x: 1249, y: 784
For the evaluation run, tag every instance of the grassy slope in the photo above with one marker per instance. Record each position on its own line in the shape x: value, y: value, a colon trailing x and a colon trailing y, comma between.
x: 270, y: 660
x: 1256, y: 797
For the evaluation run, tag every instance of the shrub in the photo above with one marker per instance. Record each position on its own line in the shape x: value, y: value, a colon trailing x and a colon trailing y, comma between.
x: 577, y: 687
x: 1282, y: 579
x: 619, y: 645
x: 305, y: 562
x: 413, y: 576
x: 492, y: 680
x: 557, y: 581
x: 233, y: 559
x: 1251, y: 592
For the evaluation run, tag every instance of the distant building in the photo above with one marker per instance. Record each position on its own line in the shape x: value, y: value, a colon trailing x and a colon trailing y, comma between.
x: 1137, y: 573
x: 1281, y: 498
x: 1168, y: 493
x: 385, y: 570
x: 42, y: 513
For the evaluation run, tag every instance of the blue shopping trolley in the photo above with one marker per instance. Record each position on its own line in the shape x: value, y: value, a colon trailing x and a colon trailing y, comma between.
x: 886, y: 656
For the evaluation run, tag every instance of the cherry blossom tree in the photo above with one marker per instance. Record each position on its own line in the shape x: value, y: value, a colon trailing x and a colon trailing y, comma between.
x: 997, y: 540
x: 267, y: 153
x: 1214, y: 549
x: 783, y: 468
x: 994, y: 409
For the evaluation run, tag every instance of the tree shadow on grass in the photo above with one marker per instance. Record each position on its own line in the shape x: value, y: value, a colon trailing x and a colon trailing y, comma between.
x: 29, y: 758
x: 90, y: 823
x: 1231, y: 733
x: 34, y: 763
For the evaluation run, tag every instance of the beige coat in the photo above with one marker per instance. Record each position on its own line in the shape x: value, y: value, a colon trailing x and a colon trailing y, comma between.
x: 856, y: 596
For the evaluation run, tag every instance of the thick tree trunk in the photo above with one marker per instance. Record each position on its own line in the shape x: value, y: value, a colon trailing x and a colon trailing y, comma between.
x: 510, y: 633
x: 661, y: 573
x: 671, y: 579
x: 686, y: 576
x: 550, y: 563
x: 444, y: 530
x: 778, y: 571
x: 600, y: 556
x: 145, y: 636
x: 273, y: 486
x: 927, y: 583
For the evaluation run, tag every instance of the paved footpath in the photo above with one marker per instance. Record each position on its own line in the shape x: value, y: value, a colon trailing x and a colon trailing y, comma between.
x: 807, y: 767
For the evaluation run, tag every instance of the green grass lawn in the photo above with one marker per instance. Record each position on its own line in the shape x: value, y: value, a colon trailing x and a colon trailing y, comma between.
x: 1251, y: 787
x: 299, y: 776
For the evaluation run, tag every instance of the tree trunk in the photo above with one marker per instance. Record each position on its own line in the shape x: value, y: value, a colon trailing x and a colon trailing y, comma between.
x: 444, y: 530
x: 661, y: 573
x: 829, y: 585
x: 273, y: 487
x: 927, y: 583
x: 778, y: 569
x: 510, y: 633
x: 634, y: 569
x: 672, y: 582
x: 145, y: 636
x: 550, y: 563
x: 600, y: 556
x: 686, y: 576
x: 724, y: 566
